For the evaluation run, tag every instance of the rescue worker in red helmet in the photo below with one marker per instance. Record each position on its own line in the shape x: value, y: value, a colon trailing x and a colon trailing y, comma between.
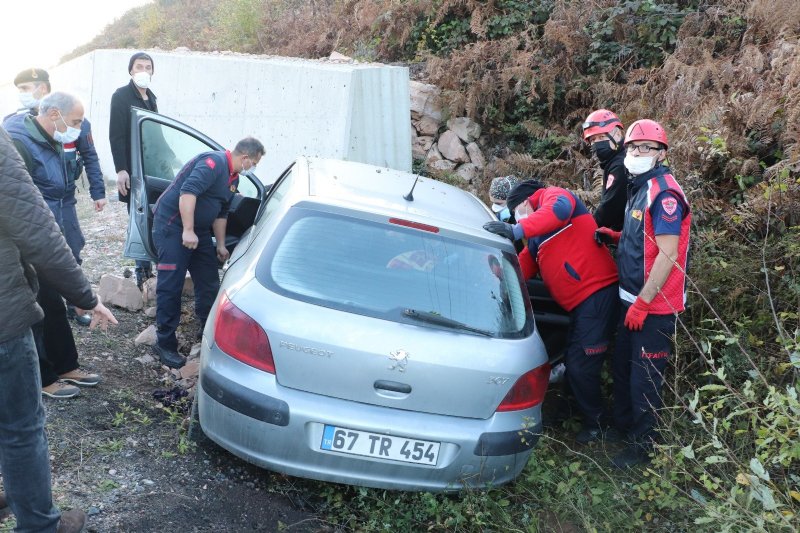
x: 603, y: 131
x: 652, y: 255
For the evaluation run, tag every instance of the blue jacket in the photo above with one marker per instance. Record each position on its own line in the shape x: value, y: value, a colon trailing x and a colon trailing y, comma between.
x: 45, y: 160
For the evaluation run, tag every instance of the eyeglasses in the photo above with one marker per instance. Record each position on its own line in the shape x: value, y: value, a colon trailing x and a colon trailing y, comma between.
x: 643, y: 148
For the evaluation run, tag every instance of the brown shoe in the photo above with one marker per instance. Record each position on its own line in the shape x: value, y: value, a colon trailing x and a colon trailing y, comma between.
x: 72, y: 521
x: 60, y: 390
x: 80, y: 377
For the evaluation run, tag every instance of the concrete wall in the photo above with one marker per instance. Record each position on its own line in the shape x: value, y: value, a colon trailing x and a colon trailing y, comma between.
x: 295, y: 107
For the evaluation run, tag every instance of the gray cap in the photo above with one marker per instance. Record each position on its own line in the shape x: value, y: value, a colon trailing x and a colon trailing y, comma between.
x: 500, y: 187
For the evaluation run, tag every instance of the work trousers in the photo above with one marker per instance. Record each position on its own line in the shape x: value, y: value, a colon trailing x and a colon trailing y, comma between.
x: 174, y: 260
x: 24, y: 458
x: 591, y: 326
x: 640, y: 359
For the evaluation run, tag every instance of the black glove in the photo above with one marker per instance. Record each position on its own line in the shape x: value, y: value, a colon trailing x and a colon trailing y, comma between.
x: 500, y: 228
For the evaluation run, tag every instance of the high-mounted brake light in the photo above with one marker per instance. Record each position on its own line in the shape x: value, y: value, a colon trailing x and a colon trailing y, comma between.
x: 241, y: 337
x: 528, y: 391
x: 415, y: 225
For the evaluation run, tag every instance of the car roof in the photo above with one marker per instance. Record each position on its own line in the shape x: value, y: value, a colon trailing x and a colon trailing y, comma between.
x: 381, y: 190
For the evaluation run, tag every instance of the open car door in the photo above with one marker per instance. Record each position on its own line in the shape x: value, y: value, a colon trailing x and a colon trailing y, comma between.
x: 160, y: 146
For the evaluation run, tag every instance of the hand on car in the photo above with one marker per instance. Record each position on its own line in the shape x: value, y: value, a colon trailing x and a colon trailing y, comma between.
x: 222, y: 253
x: 500, y: 228
x: 189, y: 239
x: 123, y: 182
x: 100, y: 204
x: 606, y: 236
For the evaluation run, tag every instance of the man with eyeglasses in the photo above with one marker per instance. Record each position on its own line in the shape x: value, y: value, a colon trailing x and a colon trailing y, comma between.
x: 652, y: 256
x: 603, y: 131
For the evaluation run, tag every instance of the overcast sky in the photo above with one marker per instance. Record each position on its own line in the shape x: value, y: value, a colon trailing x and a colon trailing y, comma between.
x: 37, y: 33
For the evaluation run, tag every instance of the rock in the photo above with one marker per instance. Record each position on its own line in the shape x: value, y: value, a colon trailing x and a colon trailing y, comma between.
x: 146, y: 359
x: 336, y: 56
x: 191, y: 369
x: 451, y: 148
x: 467, y: 129
x: 468, y: 172
x: 92, y: 511
x: 420, y: 147
x: 195, y: 351
x: 426, y: 126
x: 149, y: 292
x: 150, y: 312
x: 476, y: 156
x: 147, y: 337
x: 433, y: 155
x: 443, y: 165
x: 121, y: 292
x: 425, y: 100
x: 188, y: 286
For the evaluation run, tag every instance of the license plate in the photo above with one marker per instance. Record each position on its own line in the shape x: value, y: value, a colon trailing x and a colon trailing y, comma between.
x: 368, y: 444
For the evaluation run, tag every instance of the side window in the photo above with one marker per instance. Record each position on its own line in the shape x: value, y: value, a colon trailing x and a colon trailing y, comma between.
x: 166, y: 149
x: 246, y: 187
x: 277, y: 195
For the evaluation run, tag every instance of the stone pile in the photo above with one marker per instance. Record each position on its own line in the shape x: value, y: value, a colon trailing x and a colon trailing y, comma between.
x: 454, y: 149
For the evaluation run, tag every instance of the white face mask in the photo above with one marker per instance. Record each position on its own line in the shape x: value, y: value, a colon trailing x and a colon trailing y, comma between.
x: 141, y: 79
x: 639, y: 165
x: 498, y: 207
x: 67, y: 136
x: 522, y: 211
x: 28, y: 100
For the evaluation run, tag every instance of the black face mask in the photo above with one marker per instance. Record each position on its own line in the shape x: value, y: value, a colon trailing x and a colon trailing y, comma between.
x: 603, y: 150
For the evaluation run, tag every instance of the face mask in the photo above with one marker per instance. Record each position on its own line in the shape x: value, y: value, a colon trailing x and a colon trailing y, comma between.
x: 247, y: 170
x: 603, y: 150
x: 498, y: 207
x: 67, y: 136
x: 639, y: 165
x: 504, y: 214
x: 28, y: 100
x: 522, y: 212
x: 141, y: 79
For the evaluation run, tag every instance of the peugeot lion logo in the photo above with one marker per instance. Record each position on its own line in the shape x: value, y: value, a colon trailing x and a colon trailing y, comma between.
x: 399, y: 359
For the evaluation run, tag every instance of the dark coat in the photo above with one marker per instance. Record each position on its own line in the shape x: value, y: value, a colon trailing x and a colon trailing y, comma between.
x: 31, y: 244
x: 611, y: 211
x: 119, y: 125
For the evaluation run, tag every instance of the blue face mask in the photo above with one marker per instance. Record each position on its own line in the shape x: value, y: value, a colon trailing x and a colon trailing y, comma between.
x: 504, y: 215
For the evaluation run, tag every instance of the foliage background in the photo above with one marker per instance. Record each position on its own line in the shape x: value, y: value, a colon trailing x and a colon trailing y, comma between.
x: 723, y: 76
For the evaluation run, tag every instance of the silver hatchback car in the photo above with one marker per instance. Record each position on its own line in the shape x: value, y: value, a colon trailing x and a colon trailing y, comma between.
x: 369, y: 336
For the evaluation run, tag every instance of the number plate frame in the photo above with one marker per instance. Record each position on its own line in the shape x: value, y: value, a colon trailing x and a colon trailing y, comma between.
x: 379, y: 446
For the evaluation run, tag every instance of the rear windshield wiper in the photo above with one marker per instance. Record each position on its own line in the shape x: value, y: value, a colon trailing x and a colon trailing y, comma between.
x: 433, y: 318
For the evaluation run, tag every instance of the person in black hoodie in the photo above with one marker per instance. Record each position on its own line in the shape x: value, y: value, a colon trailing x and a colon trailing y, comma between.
x: 603, y: 131
x: 135, y: 94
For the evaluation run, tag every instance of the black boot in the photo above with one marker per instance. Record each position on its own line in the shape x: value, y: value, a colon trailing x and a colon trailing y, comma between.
x: 171, y: 358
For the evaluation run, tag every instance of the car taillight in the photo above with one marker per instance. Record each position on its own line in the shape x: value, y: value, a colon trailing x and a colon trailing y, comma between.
x: 527, y: 391
x: 241, y: 337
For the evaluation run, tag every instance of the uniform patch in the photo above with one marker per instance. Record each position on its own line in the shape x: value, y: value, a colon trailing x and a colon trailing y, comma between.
x: 673, y: 218
x: 637, y: 214
x: 610, y: 181
x: 210, y: 162
x: 670, y: 204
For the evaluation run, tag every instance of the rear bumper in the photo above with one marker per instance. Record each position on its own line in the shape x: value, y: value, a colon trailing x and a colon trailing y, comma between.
x: 281, y: 429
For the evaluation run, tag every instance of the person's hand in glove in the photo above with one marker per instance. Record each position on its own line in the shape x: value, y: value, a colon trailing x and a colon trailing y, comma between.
x: 637, y: 313
x: 606, y: 236
x: 500, y: 228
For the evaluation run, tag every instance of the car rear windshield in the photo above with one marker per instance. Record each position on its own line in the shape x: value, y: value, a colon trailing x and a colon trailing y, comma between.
x: 392, y: 272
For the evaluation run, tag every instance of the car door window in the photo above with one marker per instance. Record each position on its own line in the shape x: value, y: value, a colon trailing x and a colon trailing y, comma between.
x: 166, y: 149
x: 277, y: 194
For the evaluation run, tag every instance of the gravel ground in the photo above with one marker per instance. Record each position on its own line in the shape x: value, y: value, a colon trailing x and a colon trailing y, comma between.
x: 125, y: 458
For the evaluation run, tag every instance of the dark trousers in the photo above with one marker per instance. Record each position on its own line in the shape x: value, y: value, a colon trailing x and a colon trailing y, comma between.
x: 591, y: 326
x: 174, y: 260
x: 640, y: 359
x: 53, y: 335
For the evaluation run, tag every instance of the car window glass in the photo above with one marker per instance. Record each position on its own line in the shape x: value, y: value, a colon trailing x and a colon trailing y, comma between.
x: 166, y: 149
x: 247, y: 187
x: 381, y: 270
x: 277, y: 194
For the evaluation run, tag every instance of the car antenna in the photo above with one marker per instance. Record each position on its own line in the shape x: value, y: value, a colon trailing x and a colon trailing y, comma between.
x: 410, y: 196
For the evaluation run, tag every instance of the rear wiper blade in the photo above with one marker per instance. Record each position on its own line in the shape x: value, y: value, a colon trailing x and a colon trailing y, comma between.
x: 433, y: 318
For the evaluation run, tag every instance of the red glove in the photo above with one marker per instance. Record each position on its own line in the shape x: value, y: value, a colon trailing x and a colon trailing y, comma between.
x: 634, y: 318
x: 606, y: 236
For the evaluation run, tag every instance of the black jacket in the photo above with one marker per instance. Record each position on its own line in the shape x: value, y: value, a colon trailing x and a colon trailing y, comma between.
x: 119, y: 124
x: 611, y: 211
x: 30, y: 237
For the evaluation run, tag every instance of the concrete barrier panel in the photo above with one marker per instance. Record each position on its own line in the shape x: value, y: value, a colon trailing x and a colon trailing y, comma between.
x: 294, y: 106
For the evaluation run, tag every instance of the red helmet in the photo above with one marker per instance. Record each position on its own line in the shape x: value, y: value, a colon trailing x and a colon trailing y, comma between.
x: 600, y: 121
x: 646, y: 130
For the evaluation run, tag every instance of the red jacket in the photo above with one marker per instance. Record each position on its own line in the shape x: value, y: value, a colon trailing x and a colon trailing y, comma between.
x: 561, y: 246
